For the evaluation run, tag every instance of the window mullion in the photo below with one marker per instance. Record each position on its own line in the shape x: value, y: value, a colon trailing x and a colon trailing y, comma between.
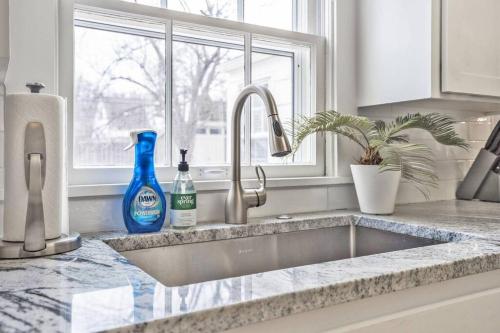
x: 273, y: 52
x: 206, y: 42
x: 295, y: 16
x: 247, y: 156
x: 297, y: 90
x: 311, y: 20
x: 118, y: 29
x: 168, y: 91
x: 240, y: 8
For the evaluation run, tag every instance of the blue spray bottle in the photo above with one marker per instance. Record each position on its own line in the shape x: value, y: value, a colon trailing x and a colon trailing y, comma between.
x: 144, y: 203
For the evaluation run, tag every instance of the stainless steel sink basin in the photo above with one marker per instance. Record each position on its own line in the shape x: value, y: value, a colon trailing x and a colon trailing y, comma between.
x: 198, y: 262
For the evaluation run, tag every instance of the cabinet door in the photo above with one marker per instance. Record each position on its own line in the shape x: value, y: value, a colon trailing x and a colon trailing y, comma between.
x: 471, y: 47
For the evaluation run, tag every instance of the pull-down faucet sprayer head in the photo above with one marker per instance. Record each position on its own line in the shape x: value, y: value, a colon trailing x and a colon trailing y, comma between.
x: 278, y: 141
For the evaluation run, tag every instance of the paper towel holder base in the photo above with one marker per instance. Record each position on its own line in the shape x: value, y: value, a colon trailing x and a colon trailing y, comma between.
x: 65, y: 243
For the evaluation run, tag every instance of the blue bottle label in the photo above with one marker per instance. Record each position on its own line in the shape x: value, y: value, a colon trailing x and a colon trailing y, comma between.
x: 146, y: 206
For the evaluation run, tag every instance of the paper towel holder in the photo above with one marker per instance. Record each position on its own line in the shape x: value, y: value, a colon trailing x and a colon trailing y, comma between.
x: 34, y: 244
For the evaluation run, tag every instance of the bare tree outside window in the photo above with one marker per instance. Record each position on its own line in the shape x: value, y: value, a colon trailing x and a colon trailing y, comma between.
x: 119, y: 86
x: 199, y: 99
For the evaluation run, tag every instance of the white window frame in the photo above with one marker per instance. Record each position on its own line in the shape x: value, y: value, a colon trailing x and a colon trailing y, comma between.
x: 119, y: 175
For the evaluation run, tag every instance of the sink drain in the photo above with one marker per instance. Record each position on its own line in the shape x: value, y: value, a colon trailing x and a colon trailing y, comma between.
x: 284, y: 217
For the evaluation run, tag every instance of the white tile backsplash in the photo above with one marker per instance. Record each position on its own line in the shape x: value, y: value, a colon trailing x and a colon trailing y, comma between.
x: 407, y: 193
x: 479, y: 130
x: 451, y: 169
x: 104, y: 213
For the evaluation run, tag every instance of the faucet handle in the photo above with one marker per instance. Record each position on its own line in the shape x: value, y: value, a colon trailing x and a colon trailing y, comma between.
x: 261, y: 191
x: 263, y: 180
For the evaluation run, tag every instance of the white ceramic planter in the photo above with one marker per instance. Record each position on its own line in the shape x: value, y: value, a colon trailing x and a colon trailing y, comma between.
x: 376, y: 190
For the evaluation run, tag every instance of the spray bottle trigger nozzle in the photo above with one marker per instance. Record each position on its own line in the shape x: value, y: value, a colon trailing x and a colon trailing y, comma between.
x: 134, y: 139
x: 129, y: 146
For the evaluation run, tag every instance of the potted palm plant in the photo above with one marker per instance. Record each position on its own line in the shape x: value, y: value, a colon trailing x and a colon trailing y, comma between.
x: 387, y: 155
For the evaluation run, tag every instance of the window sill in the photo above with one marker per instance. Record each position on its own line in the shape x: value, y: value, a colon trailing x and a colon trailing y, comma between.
x: 79, y: 191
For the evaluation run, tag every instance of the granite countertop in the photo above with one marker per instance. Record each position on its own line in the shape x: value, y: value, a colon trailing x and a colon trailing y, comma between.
x: 96, y: 289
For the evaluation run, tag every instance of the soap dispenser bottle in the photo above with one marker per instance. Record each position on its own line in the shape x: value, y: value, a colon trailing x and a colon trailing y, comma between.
x: 183, y: 197
x: 144, y: 203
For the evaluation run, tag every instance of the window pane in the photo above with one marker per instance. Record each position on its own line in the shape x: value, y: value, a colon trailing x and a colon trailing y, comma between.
x: 283, y: 69
x: 216, y: 8
x: 119, y: 86
x: 271, y: 13
x: 207, y: 76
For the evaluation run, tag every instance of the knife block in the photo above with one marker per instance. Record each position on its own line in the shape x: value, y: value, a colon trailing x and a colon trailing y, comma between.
x: 490, y: 189
x: 480, y: 170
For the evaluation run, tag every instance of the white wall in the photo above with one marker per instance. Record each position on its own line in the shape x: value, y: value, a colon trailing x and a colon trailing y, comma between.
x: 343, y: 50
x: 33, y: 45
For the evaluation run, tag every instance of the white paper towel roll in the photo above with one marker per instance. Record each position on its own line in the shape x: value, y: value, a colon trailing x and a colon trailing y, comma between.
x: 50, y: 110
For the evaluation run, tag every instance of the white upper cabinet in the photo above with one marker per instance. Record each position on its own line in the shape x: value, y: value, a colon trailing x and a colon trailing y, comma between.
x: 429, y: 50
x: 471, y: 47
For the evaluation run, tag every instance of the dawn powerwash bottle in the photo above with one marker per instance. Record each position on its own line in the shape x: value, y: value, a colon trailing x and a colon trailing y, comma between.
x: 144, y: 203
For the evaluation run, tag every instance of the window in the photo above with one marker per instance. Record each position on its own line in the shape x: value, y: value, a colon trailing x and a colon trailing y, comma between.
x: 141, y: 67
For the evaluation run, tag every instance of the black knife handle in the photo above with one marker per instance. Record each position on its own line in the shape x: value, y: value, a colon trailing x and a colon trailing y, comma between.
x: 492, y: 137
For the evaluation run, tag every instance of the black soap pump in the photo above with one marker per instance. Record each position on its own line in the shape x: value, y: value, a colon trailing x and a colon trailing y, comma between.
x: 183, y: 165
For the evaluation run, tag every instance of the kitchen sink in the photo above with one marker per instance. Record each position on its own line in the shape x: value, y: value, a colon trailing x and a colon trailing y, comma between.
x: 198, y: 262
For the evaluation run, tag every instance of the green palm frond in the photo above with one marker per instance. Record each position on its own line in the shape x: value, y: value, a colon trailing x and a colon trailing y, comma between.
x: 415, y: 161
x: 387, y: 144
x: 352, y: 127
x: 440, y: 126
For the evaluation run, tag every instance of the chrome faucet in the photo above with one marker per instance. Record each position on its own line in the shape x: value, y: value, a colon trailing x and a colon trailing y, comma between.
x: 238, y: 200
